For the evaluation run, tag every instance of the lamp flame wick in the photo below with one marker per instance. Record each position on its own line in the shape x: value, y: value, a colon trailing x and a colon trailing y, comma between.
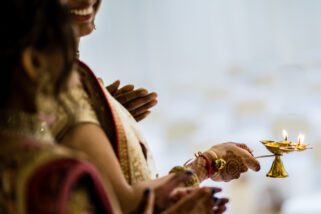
x: 285, y: 135
x: 300, y: 139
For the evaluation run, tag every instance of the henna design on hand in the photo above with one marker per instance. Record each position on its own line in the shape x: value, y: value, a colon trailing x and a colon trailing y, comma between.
x: 234, y: 166
x: 245, y: 147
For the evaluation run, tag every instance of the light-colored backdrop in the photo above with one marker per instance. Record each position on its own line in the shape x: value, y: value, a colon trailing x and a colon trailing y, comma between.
x: 232, y: 70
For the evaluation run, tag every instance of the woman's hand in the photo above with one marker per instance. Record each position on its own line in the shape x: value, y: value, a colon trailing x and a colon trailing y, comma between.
x: 219, y: 205
x: 198, y: 200
x: 191, y: 200
x: 136, y: 101
x: 188, y: 199
x: 146, y: 205
x: 159, y: 198
x: 164, y: 193
x: 238, y: 159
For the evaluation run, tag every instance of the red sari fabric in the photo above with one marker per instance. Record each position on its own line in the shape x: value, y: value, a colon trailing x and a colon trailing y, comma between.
x: 40, y: 178
x: 50, y: 187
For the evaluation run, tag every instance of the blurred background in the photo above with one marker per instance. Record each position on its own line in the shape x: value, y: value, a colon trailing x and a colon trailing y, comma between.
x: 232, y: 70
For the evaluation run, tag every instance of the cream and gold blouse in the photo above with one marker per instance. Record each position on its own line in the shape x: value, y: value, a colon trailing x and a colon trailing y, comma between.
x: 77, y: 107
x: 74, y: 108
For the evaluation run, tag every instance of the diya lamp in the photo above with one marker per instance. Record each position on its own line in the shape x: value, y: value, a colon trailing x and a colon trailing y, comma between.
x: 278, y: 148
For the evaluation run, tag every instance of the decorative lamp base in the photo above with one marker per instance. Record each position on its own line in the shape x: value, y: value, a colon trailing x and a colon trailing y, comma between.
x: 277, y: 169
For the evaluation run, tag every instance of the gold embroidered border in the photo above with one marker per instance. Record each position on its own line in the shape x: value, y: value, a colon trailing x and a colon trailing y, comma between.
x: 121, y: 139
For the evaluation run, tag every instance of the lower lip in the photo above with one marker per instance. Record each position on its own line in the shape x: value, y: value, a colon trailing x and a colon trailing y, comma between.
x: 82, y: 18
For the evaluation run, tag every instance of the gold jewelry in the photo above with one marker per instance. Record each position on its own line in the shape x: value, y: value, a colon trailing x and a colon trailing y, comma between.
x: 193, y: 181
x: 219, y: 163
x: 20, y: 123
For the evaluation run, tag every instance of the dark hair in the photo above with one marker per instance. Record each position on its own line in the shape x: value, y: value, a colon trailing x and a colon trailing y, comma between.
x: 40, y: 24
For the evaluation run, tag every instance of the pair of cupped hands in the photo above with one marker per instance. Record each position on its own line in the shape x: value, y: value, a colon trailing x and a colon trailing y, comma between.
x: 238, y: 159
x: 171, y: 198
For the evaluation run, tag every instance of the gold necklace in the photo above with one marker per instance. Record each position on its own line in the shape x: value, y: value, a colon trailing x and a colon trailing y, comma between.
x: 24, y: 124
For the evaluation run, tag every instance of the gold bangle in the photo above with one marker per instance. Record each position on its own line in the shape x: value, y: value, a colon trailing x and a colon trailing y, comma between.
x: 193, y: 181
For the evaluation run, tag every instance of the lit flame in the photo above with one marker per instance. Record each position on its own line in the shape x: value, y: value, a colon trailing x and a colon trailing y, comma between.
x: 285, y: 135
x: 301, y: 139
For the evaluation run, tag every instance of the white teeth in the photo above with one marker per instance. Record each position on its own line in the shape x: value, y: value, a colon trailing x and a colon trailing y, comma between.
x: 83, y: 12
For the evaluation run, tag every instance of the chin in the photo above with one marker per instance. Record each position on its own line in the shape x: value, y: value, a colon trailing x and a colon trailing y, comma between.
x: 85, y: 33
x: 85, y: 30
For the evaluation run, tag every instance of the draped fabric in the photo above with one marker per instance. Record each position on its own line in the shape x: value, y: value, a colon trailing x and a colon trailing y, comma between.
x: 39, y: 178
x: 129, y: 145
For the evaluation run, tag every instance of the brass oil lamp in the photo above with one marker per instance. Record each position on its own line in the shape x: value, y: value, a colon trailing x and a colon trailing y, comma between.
x: 278, y: 148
